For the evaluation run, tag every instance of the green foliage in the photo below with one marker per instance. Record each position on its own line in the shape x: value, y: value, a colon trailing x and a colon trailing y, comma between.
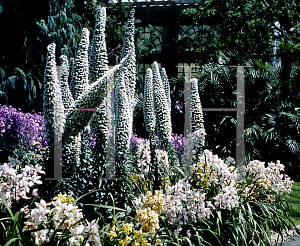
x: 245, y: 25
x: 271, y: 116
x: 115, y: 29
x: 28, y: 33
x: 293, y: 202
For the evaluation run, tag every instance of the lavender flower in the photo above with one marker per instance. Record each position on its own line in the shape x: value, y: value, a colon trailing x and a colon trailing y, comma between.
x: 178, y: 142
x: 20, y: 129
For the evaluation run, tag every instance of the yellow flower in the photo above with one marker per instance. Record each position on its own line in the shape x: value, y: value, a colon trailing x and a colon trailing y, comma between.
x: 149, y: 219
x: 69, y: 199
x: 121, y: 242
x: 127, y: 228
x: 64, y: 198
x: 113, y: 227
x: 165, y: 183
x: 35, y: 144
x: 139, y: 234
x: 155, y: 202
x: 143, y: 242
x: 112, y: 234
x: 135, y: 244
x: 124, y: 242
x: 59, y: 197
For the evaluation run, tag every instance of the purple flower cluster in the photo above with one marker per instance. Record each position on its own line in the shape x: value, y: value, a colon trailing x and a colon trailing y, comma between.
x: 178, y: 142
x: 22, y: 130
x: 135, y: 139
x: 92, y: 138
x: 18, y: 128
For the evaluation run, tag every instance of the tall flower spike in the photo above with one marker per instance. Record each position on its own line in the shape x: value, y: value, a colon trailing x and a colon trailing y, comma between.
x: 98, y: 66
x: 67, y: 97
x: 161, y: 105
x: 123, y: 125
x: 81, y: 66
x: 53, y: 109
x: 166, y: 83
x: 148, y: 104
x: 91, y: 98
x: 71, y: 151
x: 86, y: 150
x: 129, y: 48
x: 98, y: 52
x: 196, y: 108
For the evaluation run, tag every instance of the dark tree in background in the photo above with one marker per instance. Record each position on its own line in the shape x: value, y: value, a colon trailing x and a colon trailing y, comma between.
x: 247, y: 27
x: 27, y: 31
x: 27, y: 27
x: 19, y: 72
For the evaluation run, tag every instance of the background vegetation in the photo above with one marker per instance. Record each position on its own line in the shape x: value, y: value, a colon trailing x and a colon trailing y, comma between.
x: 241, y: 32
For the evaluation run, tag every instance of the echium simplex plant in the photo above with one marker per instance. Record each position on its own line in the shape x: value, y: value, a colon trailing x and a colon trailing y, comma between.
x: 98, y: 66
x: 67, y: 97
x: 195, y: 141
x: 86, y: 94
x: 123, y: 126
x: 148, y: 104
x: 53, y: 106
x: 97, y: 51
x: 81, y: 66
x: 125, y: 90
x: 166, y: 83
x: 197, y: 120
x: 72, y: 149
x: 80, y: 82
x: 161, y: 106
x: 129, y: 48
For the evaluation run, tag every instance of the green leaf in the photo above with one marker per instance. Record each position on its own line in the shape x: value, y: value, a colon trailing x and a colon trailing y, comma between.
x: 7, y: 207
x: 106, y: 206
x: 11, y: 241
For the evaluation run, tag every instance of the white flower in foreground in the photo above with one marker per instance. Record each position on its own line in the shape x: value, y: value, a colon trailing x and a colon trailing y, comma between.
x: 162, y: 159
x: 35, y: 192
x: 41, y: 236
x: 270, y: 176
x: 65, y: 216
x: 143, y: 154
x: 227, y: 199
x: 16, y: 184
